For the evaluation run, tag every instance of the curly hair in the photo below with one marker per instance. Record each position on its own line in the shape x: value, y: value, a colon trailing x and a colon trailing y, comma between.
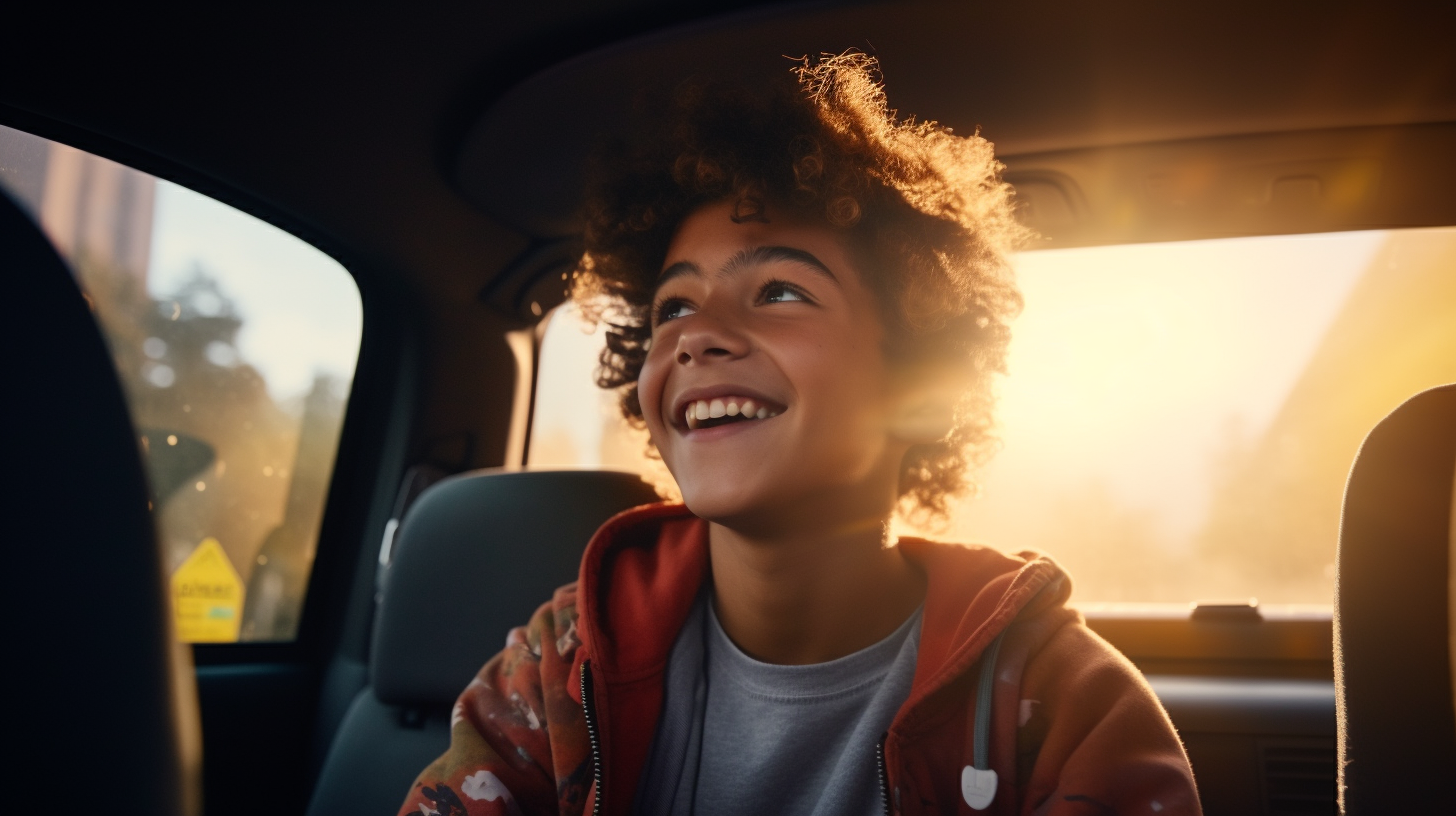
x: 923, y: 212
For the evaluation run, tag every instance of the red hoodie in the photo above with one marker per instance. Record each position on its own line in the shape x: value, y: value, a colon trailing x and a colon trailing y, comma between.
x: 1074, y: 728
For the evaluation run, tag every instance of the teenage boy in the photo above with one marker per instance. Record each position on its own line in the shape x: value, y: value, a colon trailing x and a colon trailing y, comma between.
x: 807, y: 300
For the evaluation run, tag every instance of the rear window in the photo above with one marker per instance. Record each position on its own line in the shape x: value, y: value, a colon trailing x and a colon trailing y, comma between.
x: 235, y: 343
x: 1178, y: 419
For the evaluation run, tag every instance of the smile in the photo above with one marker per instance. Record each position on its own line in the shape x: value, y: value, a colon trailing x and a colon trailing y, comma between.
x: 709, y: 413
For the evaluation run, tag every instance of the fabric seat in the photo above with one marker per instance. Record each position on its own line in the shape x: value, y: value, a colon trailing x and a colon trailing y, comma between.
x: 475, y: 555
x: 106, y: 703
x: 1393, y: 671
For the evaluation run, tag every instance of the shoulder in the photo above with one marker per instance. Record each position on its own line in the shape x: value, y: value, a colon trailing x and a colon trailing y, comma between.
x: 970, y: 588
x: 1092, y: 730
x: 553, y: 624
x: 1087, y: 715
x: 1070, y: 666
x: 1075, y: 657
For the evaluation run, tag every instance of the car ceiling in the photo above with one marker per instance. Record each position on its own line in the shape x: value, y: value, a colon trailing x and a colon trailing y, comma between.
x: 375, y: 130
x: 1032, y: 77
x: 347, y: 122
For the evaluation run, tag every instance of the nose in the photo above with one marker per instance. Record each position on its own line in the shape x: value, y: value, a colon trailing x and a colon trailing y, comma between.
x: 709, y: 338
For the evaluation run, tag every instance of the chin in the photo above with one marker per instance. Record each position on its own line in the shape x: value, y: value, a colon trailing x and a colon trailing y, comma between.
x: 718, y: 504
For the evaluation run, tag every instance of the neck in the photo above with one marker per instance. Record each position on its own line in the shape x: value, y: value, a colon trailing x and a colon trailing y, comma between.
x: 798, y: 598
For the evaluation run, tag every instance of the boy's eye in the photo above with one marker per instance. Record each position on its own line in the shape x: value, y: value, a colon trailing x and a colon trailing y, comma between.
x: 780, y: 292
x: 673, y: 309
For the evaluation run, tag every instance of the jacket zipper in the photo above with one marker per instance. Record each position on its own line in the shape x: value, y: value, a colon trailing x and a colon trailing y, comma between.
x: 884, y: 775
x: 589, y: 714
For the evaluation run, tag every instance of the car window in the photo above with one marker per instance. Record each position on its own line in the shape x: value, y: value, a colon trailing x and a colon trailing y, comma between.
x: 1178, y: 419
x: 235, y: 343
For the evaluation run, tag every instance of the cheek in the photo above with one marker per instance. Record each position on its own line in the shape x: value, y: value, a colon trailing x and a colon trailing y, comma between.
x: 843, y: 363
x: 650, y: 383
x: 849, y: 384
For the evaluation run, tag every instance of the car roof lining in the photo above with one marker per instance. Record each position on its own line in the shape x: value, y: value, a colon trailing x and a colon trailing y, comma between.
x: 1142, y: 83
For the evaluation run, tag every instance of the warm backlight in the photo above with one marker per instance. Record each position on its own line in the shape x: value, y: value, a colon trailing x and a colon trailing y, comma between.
x: 1177, y: 420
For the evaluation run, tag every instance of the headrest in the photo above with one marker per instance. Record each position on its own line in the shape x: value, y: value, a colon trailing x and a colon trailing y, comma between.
x: 84, y: 494
x: 475, y: 556
x: 1393, y: 667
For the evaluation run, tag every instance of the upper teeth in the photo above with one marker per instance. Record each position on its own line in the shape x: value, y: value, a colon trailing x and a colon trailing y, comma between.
x: 697, y: 411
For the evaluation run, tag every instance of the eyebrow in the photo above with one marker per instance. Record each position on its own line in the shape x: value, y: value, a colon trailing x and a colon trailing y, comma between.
x: 757, y: 256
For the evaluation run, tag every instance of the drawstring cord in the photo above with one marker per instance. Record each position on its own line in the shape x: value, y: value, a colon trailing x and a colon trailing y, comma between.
x: 981, y: 745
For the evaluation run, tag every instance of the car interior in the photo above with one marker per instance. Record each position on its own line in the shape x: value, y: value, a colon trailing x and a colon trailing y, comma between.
x: 436, y: 154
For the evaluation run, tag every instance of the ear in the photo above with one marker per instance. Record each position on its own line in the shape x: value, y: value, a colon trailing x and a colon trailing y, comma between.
x: 924, y: 415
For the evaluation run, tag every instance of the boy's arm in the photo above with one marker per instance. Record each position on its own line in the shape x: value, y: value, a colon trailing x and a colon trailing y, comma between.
x: 1093, y: 738
x: 514, y: 741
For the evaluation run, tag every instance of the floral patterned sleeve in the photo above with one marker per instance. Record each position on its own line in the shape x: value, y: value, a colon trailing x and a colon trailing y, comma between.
x: 518, y: 743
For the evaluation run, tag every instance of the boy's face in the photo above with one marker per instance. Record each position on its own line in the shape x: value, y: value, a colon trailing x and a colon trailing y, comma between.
x: 770, y: 318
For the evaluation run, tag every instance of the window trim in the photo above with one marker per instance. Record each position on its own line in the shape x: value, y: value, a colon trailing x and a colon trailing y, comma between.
x: 1276, y: 641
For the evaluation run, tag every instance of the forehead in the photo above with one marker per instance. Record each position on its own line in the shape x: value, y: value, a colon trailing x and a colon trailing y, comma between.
x: 709, y: 238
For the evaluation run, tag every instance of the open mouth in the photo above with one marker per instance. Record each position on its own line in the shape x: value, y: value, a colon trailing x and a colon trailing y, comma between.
x: 710, y: 413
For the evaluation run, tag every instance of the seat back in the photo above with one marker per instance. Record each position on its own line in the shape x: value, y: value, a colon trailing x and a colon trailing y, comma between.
x: 106, y: 700
x: 475, y: 555
x: 1393, y: 671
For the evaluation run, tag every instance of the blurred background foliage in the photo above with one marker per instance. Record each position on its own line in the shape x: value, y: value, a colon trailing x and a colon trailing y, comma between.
x: 225, y: 460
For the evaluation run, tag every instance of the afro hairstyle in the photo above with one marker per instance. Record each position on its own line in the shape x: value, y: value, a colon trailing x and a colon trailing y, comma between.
x: 924, y: 213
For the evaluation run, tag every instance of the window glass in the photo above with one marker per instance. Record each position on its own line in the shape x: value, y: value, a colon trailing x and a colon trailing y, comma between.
x: 575, y: 423
x: 1178, y: 419
x: 235, y: 343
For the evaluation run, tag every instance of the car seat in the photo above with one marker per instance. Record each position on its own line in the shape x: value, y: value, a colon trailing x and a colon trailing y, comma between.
x: 1393, y: 648
x: 475, y: 555
x: 105, y: 714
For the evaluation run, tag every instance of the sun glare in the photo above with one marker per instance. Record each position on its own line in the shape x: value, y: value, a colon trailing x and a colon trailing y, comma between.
x: 1177, y: 419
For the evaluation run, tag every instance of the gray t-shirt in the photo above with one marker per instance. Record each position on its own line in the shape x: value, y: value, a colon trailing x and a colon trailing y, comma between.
x: 738, y: 736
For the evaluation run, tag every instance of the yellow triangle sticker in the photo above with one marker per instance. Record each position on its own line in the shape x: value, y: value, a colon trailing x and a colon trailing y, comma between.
x: 207, y: 596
